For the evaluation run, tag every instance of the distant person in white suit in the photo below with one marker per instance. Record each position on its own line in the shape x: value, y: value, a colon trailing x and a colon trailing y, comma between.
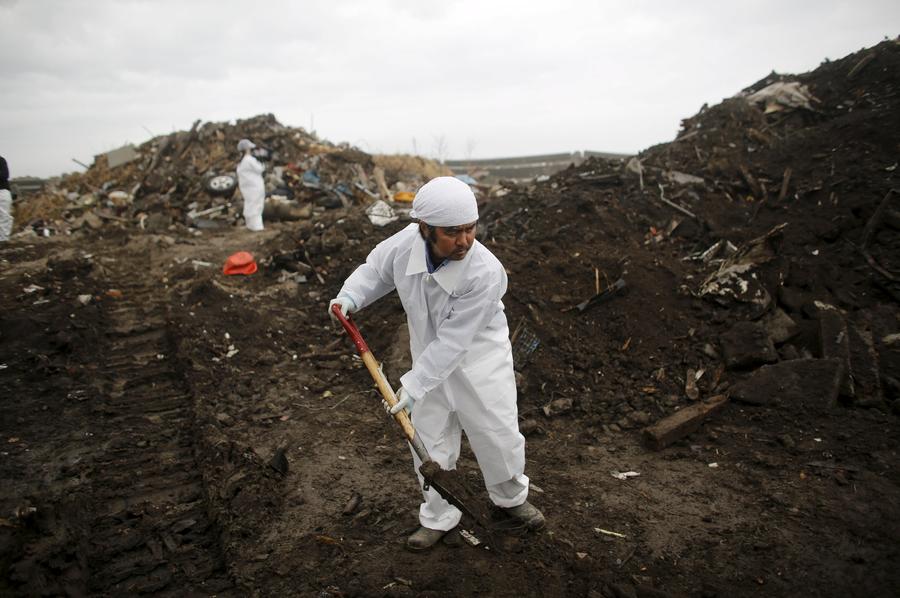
x: 253, y: 188
x: 6, y: 219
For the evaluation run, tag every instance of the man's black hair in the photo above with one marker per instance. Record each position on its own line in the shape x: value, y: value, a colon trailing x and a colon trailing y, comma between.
x: 432, y: 233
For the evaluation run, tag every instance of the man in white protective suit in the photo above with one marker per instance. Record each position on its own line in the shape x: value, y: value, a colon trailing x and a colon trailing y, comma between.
x: 6, y: 219
x: 252, y: 185
x: 462, y: 376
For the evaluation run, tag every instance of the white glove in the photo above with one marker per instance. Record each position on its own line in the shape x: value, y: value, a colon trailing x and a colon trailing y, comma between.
x: 404, y: 401
x: 347, y: 306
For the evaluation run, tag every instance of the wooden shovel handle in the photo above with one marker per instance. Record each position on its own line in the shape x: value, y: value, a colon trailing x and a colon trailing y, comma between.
x: 375, y: 371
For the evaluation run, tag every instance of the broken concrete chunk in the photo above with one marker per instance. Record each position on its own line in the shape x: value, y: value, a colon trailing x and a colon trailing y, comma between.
x: 780, y: 326
x: 805, y: 381
x: 747, y: 345
x: 119, y: 156
x: 681, y: 423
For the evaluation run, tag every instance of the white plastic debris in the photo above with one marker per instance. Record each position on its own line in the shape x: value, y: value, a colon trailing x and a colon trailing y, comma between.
x: 606, y: 532
x: 719, y: 250
x: 469, y: 537
x: 783, y: 95
x: 84, y: 299
x: 624, y: 475
x: 736, y: 280
x: 713, y: 465
x: 380, y: 213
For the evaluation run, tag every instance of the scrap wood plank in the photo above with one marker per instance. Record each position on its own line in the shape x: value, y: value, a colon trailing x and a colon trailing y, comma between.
x: 785, y: 181
x: 681, y: 423
x: 875, y: 220
x: 861, y: 65
x: 752, y: 183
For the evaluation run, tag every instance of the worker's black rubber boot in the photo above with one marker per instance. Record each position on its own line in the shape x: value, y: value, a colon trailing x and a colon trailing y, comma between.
x: 528, y: 514
x: 424, y: 538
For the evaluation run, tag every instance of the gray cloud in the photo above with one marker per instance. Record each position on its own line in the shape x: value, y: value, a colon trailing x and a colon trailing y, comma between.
x: 490, y: 78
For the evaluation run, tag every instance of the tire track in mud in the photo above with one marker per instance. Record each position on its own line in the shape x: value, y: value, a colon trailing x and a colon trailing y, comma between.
x: 151, y: 531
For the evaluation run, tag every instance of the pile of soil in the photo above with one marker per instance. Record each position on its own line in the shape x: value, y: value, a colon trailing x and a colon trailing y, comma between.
x: 175, y: 430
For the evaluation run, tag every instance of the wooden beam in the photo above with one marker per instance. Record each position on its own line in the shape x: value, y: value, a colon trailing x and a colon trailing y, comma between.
x: 681, y: 423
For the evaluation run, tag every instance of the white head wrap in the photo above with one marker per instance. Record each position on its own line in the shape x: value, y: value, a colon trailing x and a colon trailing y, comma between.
x: 445, y: 201
x: 245, y: 144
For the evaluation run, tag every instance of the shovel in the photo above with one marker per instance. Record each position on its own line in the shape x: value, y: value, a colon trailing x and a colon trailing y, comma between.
x: 448, y: 483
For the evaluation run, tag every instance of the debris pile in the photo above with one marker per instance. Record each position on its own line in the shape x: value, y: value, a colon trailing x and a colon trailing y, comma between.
x: 760, y: 221
x: 188, y: 178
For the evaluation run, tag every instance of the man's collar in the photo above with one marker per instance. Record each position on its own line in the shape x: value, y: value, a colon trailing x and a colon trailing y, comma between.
x: 431, y: 265
x: 448, y: 275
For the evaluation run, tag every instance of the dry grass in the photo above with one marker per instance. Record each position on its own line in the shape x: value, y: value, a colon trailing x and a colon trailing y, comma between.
x: 48, y: 205
x: 405, y: 167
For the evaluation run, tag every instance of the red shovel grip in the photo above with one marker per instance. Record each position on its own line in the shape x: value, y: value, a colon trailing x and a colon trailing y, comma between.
x: 351, y: 329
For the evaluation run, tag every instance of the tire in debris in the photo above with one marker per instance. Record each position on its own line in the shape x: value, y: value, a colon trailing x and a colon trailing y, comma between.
x: 221, y: 185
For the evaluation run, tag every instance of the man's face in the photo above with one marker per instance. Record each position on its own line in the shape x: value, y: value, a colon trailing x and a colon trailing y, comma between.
x: 451, y: 242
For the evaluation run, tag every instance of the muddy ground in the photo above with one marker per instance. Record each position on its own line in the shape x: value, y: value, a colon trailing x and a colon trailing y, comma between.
x: 169, y: 430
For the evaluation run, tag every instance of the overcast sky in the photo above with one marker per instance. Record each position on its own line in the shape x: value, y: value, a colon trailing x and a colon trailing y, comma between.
x: 459, y: 78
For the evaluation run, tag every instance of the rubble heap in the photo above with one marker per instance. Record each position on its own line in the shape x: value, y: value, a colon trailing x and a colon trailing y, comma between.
x: 187, y: 177
x: 773, y: 216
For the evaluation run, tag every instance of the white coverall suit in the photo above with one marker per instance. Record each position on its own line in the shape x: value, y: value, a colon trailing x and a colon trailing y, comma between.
x: 462, y: 362
x: 253, y: 189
